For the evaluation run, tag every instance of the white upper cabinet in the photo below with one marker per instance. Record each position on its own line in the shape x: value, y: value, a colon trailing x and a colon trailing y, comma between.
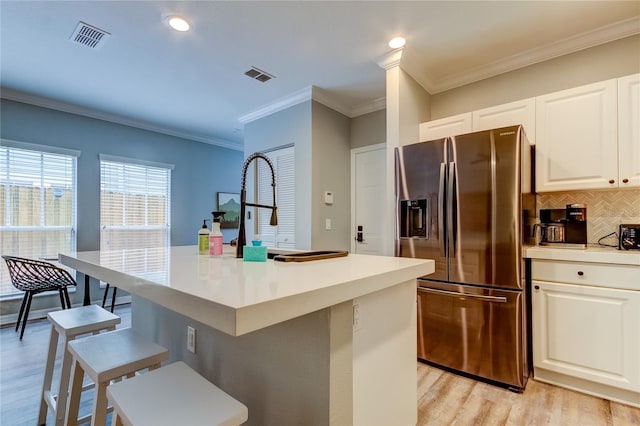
x: 629, y: 131
x: 449, y: 126
x: 587, y: 137
x: 577, y: 138
x: 514, y: 113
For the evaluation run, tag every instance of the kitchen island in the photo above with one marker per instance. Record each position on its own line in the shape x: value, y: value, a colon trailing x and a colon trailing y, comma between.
x: 324, y: 342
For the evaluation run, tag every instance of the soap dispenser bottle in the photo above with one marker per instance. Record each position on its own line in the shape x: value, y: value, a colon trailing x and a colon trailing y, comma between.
x: 215, y: 237
x: 203, y: 238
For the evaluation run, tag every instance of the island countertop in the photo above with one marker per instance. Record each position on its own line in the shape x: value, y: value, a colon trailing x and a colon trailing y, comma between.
x: 238, y: 297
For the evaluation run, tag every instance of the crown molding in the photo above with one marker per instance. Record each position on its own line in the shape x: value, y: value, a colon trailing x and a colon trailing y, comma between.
x: 375, y: 105
x: 321, y: 96
x: 285, y: 102
x: 316, y: 94
x: 602, y: 35
x: 391, y: 59
x: 41, y: 101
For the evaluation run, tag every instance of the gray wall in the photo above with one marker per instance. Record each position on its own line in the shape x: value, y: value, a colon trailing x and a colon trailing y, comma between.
x: 201, y: 170
x: 291, y: 126
x: 414, y: 108
x: 322, y: 153
x: 610, y: 60
x: 331, y: 163
x: 369, y: 129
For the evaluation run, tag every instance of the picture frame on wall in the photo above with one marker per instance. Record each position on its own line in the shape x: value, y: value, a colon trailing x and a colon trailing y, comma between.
x: 229, y: 203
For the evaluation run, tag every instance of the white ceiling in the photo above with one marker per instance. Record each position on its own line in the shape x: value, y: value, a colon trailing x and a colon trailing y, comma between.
x: 193, y: 84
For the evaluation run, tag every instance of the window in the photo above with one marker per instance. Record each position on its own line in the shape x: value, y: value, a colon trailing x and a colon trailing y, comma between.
x: 135, y: 204
x: 38, y: 203
x: 283, y: 235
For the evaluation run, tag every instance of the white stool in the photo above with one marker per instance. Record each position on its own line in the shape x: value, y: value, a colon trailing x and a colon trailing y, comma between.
x: 68, y: 323
x: 106, y: 357
x: 173, y: 395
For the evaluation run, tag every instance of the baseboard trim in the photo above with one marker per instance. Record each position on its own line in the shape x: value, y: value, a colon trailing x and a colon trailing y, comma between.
x: 611, y: 393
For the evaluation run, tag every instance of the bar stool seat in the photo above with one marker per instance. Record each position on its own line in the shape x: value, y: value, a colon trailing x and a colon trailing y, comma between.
x: 106, y: 357
x: 68, y: 323
x: 173, y: 395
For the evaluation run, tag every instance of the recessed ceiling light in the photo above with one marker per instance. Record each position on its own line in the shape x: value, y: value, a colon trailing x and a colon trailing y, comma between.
x: 397, y: 42
x: 177, y: 23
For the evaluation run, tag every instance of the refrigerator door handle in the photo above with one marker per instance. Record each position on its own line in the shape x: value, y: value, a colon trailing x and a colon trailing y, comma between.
x: 452, y: 219
x: 441, y: 189
x: 497, y: 299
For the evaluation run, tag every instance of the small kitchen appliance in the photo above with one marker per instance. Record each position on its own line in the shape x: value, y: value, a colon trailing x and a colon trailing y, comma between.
x: 564, y: 227
x: 629, y: 237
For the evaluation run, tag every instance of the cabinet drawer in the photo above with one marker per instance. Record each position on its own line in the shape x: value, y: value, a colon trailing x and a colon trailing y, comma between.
x: 595, y: 274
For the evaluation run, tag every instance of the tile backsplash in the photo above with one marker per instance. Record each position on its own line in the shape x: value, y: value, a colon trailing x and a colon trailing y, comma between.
x: 606, y: 209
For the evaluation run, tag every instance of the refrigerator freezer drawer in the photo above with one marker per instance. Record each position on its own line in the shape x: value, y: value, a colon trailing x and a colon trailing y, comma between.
x: 478, y: 331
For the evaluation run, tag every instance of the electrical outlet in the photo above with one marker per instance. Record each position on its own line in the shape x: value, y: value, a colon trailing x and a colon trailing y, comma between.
x: 327, y: 224
x: 356, y: 316
x: 191, y: 339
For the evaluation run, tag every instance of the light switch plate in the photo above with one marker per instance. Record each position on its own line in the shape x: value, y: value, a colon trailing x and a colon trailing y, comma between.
x: 328, y: 197
x: 191, y: 339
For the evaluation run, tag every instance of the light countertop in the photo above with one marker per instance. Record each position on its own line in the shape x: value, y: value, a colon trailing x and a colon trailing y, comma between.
x: 596, y: 254
x: 237, y: 297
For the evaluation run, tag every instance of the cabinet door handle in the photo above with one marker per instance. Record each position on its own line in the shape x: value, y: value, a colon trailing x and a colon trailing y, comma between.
x: 625, y: 180
x: 612, y: 181
x: 580, y: 273
x: 537, y: 287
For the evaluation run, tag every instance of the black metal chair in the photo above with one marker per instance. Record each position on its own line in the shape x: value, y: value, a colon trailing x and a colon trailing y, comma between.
x: 33, y: 277
x: 113, y: 296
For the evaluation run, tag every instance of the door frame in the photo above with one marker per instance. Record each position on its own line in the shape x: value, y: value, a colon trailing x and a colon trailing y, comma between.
x: 384, y: 224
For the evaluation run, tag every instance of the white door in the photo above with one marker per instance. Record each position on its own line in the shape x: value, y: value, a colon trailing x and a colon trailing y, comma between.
x: 368, y: 193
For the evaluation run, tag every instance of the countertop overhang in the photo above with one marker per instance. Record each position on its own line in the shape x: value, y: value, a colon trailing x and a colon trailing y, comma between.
x: 238, y: 297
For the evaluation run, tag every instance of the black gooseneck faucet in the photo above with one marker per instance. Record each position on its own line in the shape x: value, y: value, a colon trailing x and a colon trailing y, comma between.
x: 243, y: 200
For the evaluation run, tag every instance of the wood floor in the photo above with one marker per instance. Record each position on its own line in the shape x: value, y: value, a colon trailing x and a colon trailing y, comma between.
x: 443, y: 398
x: 448, y: 399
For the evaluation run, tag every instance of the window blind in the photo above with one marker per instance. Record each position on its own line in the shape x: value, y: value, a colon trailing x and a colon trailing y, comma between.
x: 37, y: 206
x: 135, y: 205
x: 283, y: 235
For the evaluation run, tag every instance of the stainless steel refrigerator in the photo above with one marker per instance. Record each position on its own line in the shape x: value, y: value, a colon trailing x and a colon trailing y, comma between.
x: 467, y: 202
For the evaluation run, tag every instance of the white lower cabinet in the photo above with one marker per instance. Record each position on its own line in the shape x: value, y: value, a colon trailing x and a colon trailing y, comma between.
x: 585, y: 336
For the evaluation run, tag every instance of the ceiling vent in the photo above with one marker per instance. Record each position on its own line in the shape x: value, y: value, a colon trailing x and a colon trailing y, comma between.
x: 89, y: 36
x: 258, y: 74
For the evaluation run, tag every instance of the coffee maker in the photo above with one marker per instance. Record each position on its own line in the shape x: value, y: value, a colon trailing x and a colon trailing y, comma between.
x: 563, y: 227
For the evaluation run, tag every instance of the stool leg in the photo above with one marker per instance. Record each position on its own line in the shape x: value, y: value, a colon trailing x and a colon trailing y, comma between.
x: 48, y: 375
x: 74, y: 394
x: 63, y: 392
x: 115, y: 419
x: 100, y: 404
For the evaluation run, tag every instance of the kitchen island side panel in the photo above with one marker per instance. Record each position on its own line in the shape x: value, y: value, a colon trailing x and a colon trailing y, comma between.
x: 281, y: 373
